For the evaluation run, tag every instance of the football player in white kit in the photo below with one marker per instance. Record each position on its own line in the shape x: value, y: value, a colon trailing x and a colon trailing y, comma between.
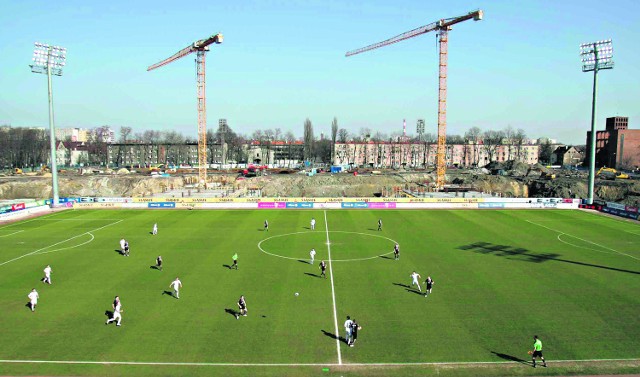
x: 176, y: 285
x: 117, y: 310
x: 33, y: 299
x: 416, y: 276
x: 47, y: 274
x: 155, y: 229
x: 313, y: 223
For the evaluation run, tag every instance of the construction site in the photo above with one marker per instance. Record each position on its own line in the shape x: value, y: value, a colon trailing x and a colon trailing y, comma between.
x: 510, y: 180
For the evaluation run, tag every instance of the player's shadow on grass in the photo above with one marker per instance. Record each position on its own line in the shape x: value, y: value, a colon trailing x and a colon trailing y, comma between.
x: 333, y: 336
x: 108, y: 313
x: 303, y: 261
x: 227, y: 266
x: 232, y: 312
x: 384, y: 257
x: 510, y: 357
x: 119, y: 251
x: 408, y: 288
x: 154, y: 267
x: 168, y: 293
x: 314, y: 275
x: 527, y: 255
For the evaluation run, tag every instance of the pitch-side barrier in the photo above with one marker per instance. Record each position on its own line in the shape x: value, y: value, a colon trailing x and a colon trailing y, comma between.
x: 22, y: 210
x: 328, y: 203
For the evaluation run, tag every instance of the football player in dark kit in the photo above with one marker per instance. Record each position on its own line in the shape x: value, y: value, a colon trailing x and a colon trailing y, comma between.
x: 323, y: 269
x: 242, y: 305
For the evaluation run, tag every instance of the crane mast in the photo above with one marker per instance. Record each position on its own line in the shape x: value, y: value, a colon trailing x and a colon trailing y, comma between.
x: 443, y: 27
x: 200, y: 48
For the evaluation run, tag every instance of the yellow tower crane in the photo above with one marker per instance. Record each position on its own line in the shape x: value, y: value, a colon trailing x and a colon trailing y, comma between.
x: 442, y: 27
x: 200, y: 48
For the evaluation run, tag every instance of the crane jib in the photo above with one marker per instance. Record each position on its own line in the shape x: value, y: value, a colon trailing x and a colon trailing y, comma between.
x: 443, y: 26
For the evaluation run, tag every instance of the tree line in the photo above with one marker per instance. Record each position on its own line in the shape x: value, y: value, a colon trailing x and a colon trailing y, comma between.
x: 28, y: 147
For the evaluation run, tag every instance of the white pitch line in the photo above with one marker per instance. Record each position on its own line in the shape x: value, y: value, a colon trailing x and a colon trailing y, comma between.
x: 67, y: 248
x: 580, y: 247
x: 333, y: 291
x: 295, y: 364
x: 331, y: 231
x: 58, y: 243
x: 11, y: 234
x: 74, y: 219
x: 28, y: 221
x: 582, y: 239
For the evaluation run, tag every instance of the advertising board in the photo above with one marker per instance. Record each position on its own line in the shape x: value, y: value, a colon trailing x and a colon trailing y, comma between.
x: 162, y: 205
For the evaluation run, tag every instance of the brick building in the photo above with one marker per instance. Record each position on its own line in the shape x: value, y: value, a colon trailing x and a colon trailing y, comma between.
x: 617, y: 146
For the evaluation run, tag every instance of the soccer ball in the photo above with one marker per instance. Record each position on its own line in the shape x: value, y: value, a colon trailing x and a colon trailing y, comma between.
x: 297, y: 294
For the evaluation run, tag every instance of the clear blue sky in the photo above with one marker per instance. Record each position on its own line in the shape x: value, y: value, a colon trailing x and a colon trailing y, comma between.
x: 283, y: 61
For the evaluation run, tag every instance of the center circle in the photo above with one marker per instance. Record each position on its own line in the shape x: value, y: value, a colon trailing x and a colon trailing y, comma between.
x: 296, y: 245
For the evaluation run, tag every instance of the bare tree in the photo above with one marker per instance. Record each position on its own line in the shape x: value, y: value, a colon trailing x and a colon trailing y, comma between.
x: 334, y: 135
x: 519, y: 139
x: 508, y: 139
x: 308, y: 140
x: 343, y: 135
x: 473, y: 136
x: 290, y: 139
x: 429, y: 140
x: 125, y: 132
x: 124, y: 137
x: 491, y: 140
x: 97, y: 146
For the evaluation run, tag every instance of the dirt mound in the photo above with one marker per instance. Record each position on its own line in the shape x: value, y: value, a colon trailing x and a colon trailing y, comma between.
x: 116, y: 186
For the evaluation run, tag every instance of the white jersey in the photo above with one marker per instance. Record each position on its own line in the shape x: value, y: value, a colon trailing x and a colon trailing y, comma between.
x: 155, y: 227
x: 415, y: 276
x: 176, y: 284
x: 347, y: 325
x: 47, y: 271
x: 122, y: 242
x: 33, y: 296
x: 312, y: 253
x: 118, y: 308
x: 313, y: 222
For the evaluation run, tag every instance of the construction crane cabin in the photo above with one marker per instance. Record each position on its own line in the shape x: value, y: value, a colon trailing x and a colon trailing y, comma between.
x: 200, y: 48
x: 443, y: 27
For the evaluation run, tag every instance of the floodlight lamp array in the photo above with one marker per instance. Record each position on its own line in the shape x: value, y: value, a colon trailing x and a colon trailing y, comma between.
x: 47, y: 56
x: 597, y: 55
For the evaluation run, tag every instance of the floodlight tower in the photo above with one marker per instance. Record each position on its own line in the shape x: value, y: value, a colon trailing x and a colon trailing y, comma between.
x: 50, y: 60
x: 595, y: 56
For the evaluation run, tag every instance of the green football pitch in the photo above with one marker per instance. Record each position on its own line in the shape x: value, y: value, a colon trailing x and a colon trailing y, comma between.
x: 571, y: 277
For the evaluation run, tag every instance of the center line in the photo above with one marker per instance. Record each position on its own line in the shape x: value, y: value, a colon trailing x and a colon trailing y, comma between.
x: 333, y: 291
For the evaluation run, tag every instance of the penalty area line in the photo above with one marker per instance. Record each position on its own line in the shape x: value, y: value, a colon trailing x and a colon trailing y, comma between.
x: 582, y: 239
x: 11, y: 234
x: 452, y: 363
x: 58, y: 243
